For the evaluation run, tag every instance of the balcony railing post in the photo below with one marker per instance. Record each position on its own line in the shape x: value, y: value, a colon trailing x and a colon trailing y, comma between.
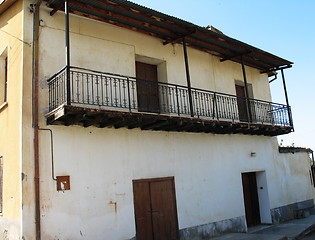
x: 271, y: 114
x: 177, y: 101
x: 128, y: 91
x: 215, y: 106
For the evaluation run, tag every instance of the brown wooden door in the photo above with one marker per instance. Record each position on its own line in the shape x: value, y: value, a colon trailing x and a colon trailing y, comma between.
x: 147, y: 87
x: 155, y: 209
x: 241, y: 103
x: 251, y: 199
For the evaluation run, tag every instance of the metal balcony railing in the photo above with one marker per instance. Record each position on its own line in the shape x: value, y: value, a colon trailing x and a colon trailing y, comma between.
x: 88, y: 88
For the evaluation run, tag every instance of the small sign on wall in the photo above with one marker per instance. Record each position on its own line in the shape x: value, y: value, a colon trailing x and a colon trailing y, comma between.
x: 63, y: 183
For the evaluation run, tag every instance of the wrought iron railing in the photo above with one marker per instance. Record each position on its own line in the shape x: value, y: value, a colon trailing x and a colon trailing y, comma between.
x: 113, y: 91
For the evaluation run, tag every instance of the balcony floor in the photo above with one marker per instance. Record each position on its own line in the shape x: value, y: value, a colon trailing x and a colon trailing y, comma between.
x: 74, y: 115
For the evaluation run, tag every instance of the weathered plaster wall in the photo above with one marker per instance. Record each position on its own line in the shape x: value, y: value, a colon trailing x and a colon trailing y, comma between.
x: 108, y: 48
x: 291, y: 173
x: 103, y: 162
x: 10, y: 122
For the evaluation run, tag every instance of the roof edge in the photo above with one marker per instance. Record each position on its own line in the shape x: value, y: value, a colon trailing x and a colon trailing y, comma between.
x: 5, y: 5
x: 294, y: 149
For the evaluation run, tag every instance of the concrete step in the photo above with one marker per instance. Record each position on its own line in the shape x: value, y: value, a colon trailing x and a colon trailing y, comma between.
x: 290, y: 230
x: 252, y: 236
x: 302, y: 213
x: 294, y: 229
x: 312, y: 211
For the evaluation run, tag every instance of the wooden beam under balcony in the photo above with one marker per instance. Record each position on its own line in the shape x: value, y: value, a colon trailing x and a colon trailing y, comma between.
x: 86, y: 117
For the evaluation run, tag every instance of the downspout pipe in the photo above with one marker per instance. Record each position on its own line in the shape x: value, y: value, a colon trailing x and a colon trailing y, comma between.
x: 35, y: 81
x: 67, y: 48
x: 274, y: 79
x: 51, y: 152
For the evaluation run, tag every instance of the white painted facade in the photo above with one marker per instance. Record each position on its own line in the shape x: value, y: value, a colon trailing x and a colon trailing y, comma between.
x: 102, y: 163
x: 207, y: 170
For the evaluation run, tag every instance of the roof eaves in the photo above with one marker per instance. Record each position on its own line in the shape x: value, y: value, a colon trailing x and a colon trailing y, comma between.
x: 140, y: 18
x: 5, y: 4
x: 294, y: 149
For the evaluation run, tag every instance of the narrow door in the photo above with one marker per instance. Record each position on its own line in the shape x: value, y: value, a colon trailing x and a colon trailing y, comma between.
x: 241, y: 103
x: 147, y: 87
x: 155, y: 209
x: 251, y: 199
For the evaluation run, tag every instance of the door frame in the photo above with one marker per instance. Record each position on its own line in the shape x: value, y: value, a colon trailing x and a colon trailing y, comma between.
x: 151, y: 103
x: 160, y: 179
x: 263, y: 195
x: 253, y: 199
x: 247, y: 102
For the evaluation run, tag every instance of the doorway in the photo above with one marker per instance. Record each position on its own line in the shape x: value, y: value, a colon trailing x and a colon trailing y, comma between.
x: 251, y: 200
x: 155, y: 209
x: 147, y: 87
x: 241, y: 103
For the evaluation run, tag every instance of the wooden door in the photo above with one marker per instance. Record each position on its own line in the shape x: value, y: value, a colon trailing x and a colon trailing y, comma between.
x: 251, y: 201
x: 241, y: 103
x: 155, y: 209
x: 147, y: 87
x: 142, y: 203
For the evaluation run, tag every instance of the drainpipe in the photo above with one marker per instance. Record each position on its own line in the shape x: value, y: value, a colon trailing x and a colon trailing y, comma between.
x: 274, y: 79
x: 67, y: 41
x: 35, y: 57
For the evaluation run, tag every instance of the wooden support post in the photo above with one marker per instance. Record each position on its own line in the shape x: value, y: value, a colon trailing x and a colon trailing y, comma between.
x: 188, y: 78
x: 248, y: 109
x: 286, y: 98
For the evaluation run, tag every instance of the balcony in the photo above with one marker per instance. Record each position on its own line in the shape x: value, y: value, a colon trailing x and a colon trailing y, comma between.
x: 93, y: 98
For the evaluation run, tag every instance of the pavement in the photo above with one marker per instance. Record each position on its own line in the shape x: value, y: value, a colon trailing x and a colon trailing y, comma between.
x: 291, y: 230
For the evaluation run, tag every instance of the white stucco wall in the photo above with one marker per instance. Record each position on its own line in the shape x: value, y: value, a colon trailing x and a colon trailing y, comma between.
x: 103, y: 162
x: 291, y: 174
x: 107, y: 48
x: 207, y: 168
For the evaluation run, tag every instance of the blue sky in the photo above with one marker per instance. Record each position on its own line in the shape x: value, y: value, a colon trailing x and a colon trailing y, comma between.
x: 284, y: 28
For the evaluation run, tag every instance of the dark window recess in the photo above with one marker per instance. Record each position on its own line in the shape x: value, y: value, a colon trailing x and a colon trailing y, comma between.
x: 241, y: 103
x: 147, y: 87
x: 313, y: 174
x: 1, y: 184
x: 5, y: 79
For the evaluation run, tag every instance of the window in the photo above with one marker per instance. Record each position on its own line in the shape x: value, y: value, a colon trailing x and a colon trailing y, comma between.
x: 1, y: 182
x: 3, y: 77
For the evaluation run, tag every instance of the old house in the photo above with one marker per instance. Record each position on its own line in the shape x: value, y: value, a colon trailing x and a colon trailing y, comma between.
x: 121, y: 122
